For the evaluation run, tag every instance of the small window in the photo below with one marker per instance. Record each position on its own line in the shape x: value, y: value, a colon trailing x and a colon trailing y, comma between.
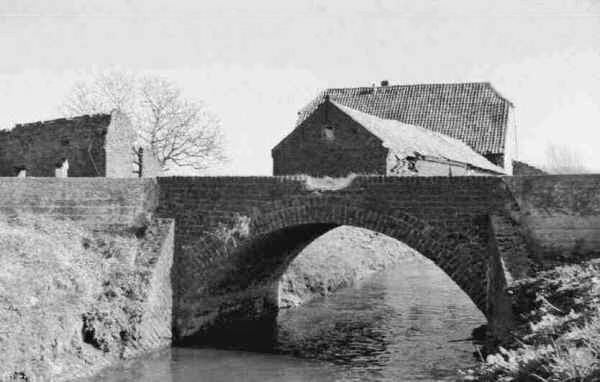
x: 328, y: 133
x: 65, y: 142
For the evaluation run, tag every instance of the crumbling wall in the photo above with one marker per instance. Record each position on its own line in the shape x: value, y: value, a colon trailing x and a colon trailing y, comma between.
x: 120, y: 138
x: 39, y: 147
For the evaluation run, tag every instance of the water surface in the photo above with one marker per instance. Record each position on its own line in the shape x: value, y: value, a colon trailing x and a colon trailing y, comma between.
x: 403, y: 324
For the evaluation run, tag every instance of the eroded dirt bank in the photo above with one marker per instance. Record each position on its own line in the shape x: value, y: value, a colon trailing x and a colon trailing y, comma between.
x: 74, y: 301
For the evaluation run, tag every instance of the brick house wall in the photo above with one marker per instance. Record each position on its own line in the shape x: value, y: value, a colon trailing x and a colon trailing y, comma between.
x: 331, y: 143
x: 308, y: 150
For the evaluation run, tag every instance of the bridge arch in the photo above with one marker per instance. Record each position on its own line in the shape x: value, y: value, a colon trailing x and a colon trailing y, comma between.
x: 275, y: 234
x: 459, y: 257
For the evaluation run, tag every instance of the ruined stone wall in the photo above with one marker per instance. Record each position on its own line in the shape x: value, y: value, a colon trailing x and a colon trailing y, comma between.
x: 118, y: 147
x: 97, y: 145
x: 560, y: 215
x: 350, y: 148
x: 38, y: 147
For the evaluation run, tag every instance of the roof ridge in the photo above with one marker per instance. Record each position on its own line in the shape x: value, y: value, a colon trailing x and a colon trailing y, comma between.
x: 413, y: 85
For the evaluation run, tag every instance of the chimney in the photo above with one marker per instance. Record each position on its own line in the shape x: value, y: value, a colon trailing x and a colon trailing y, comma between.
x: 385, y: 83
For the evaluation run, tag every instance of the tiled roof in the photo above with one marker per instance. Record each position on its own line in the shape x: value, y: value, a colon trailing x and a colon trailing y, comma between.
x: 406, y: 140
x: 472, y: 112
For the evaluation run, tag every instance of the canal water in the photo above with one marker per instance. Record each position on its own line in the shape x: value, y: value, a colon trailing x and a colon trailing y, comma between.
x: 408, y: 323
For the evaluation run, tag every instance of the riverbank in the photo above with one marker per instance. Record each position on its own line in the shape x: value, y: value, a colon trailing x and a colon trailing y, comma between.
x: 75, y: 301
x: 558, y: 337
x: 338, y: 259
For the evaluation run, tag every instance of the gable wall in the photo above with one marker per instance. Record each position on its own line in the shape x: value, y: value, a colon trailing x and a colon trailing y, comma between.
x: 120, y: 138
x: 39, y: 147
x: 307, y: 151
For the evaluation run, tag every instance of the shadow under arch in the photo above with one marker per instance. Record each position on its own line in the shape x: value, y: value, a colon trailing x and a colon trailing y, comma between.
x: 242, y: 288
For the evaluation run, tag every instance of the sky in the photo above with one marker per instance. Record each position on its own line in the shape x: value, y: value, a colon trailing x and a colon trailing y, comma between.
x: 256, y: 63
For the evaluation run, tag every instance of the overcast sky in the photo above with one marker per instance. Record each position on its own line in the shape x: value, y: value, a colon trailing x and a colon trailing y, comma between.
x: 255, y: 63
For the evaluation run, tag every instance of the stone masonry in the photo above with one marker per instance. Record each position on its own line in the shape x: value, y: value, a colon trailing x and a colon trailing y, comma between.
x: 92, y: 145
x: 234, y: 236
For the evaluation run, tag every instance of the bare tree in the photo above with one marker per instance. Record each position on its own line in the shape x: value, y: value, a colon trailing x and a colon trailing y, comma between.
x: 178, y: 131
x: 564, y: 160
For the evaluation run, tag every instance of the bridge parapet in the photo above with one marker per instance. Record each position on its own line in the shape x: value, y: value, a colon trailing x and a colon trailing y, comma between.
x: 92, y: 201
x: 560, y: 215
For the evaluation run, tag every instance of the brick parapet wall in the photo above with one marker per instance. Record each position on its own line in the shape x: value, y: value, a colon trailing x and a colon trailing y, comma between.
x: 449, y: 203
x: 560, y: 215
x: 92, y: 201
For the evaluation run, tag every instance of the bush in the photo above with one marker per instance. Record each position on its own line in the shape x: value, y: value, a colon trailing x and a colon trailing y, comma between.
x: 558, y: 338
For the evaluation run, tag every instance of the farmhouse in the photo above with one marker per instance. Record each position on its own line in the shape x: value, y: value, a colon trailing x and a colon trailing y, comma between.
x: 424, y: 130
x: 85, y: 146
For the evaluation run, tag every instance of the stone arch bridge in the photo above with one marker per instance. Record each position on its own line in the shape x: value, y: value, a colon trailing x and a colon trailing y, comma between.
x: 234, y: 236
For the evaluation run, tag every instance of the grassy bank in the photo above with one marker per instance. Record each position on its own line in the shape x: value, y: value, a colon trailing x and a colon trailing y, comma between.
x: 558, y: 338
x: 70, y: 299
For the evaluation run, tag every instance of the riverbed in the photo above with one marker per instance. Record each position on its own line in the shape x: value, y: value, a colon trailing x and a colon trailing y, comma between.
x: 407, y: 323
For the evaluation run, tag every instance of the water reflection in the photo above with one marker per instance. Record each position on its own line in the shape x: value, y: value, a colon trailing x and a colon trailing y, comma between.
x: 397, y: 326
